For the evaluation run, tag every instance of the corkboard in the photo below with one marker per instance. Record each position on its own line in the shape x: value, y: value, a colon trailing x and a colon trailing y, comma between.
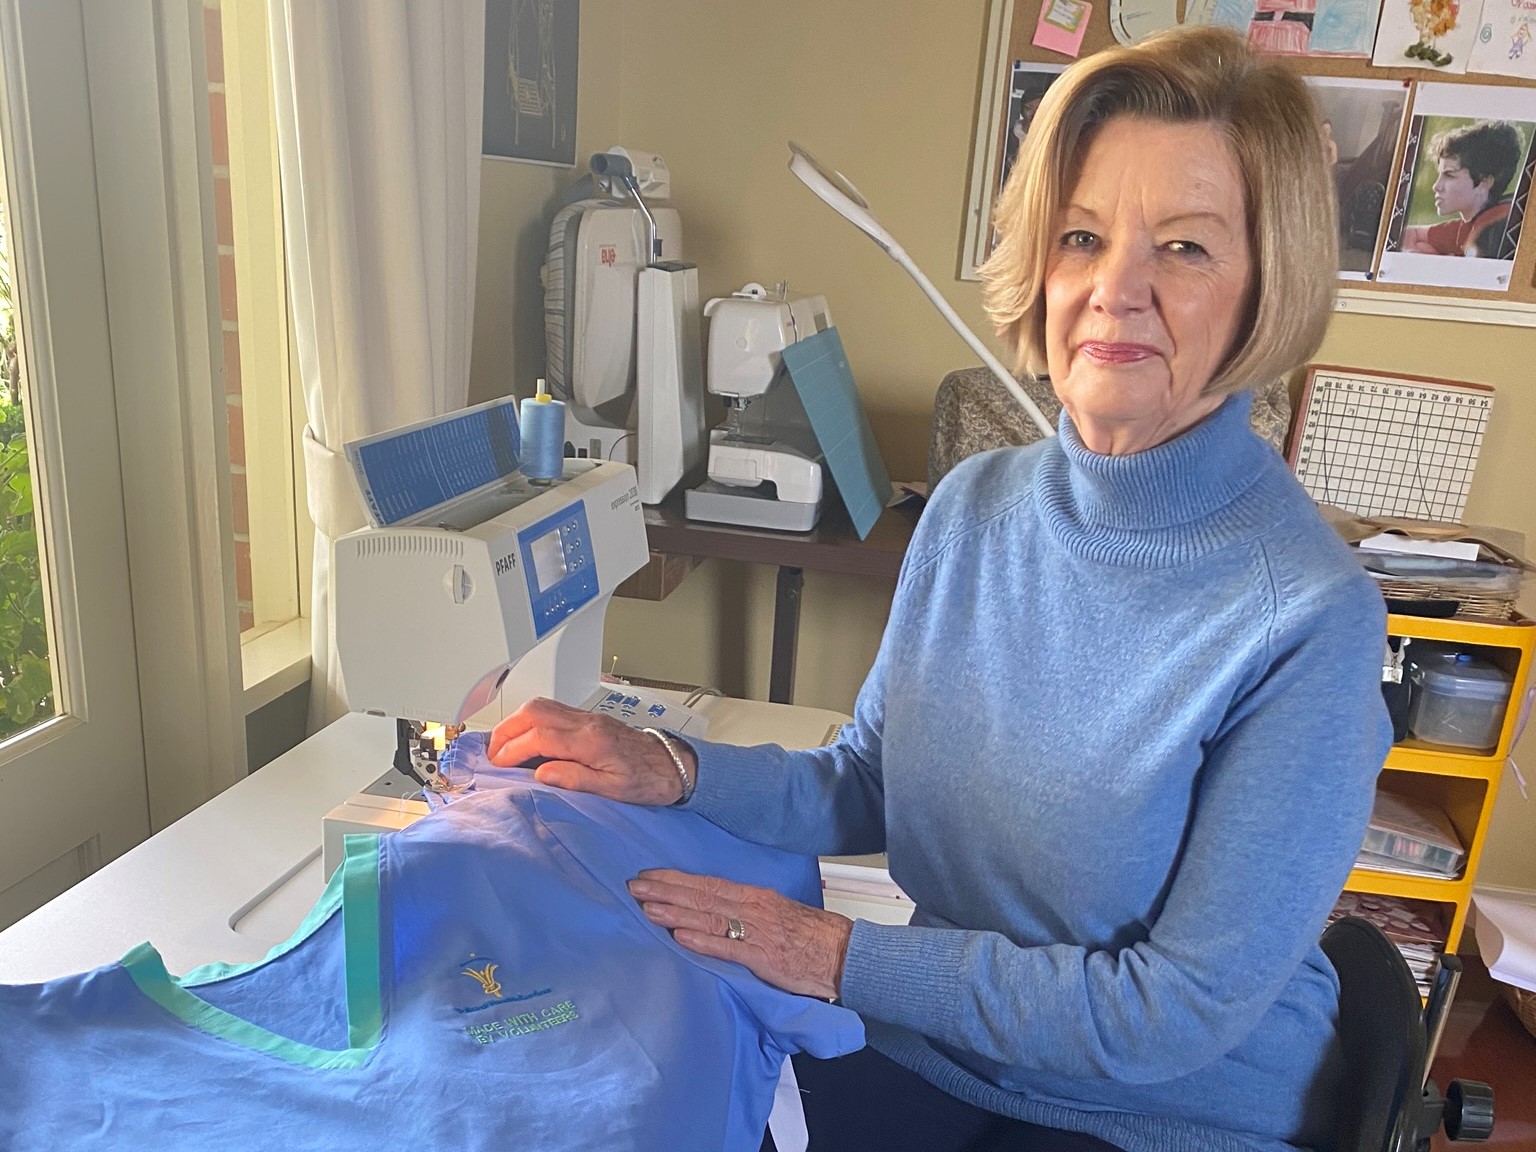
x: 1019, y: 21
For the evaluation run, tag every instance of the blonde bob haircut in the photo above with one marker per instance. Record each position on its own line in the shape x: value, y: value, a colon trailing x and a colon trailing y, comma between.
x: 1188, y: 75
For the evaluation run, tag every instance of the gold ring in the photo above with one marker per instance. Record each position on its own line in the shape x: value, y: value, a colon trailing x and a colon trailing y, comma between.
x: 735, y: 929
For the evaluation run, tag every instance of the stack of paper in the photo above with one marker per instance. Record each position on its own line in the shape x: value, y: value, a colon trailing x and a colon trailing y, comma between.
x: 860, y: 876
x: 1505, y: 926
x: 1392, y: 542
x: 1417, y: 927
x: 1421, y: 560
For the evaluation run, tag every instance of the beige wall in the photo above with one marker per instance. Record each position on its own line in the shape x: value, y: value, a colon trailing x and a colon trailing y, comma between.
x: 886, y: 92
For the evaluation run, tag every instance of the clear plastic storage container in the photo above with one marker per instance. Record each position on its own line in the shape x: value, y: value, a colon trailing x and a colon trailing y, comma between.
x: 1412, y: 836
x: 1460, y: 703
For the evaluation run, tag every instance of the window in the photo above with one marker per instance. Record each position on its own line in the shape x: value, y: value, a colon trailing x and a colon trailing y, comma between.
x: 26, y: 676
x: 272, y: 532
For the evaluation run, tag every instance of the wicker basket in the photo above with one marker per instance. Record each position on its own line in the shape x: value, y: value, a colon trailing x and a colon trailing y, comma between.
x: 1524, y: 1004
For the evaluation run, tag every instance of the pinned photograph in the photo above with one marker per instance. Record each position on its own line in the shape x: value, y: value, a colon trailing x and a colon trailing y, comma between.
x: 1434, y: 34
x: 1362, y: 123
x: 1462, y: 189
x: 1026, y: 88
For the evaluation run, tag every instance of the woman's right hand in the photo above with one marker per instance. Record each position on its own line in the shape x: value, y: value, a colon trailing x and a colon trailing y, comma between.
x: 590, y: 752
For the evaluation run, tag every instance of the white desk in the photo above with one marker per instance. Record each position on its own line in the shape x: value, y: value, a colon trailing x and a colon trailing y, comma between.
x: 236, y: 876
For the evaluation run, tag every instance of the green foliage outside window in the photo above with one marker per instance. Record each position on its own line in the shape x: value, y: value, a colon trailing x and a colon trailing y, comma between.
x: 26, y: 683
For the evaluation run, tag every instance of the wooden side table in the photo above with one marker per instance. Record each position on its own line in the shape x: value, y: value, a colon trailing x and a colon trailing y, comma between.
x: 678, y: 545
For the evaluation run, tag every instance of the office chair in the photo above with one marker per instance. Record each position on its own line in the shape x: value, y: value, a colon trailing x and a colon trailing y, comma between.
x: 1388, y: 1103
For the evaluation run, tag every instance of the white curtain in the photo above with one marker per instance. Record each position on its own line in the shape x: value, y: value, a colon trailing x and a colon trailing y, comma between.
x: 378, y: 133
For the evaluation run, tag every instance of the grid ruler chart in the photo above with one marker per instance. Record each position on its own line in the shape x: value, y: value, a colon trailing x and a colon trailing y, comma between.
x: 1378, y: 444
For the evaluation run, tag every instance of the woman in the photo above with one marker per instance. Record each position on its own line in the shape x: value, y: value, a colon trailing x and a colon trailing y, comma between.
x: 1121, y: 737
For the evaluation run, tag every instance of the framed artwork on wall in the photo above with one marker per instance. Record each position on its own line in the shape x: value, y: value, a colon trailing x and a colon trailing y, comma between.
x: 986, y: 145
x: 532, y: 48
x: 1018, y: 101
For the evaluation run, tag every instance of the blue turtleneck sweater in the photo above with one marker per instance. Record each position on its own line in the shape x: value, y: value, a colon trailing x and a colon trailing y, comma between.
x: 1120, y: 743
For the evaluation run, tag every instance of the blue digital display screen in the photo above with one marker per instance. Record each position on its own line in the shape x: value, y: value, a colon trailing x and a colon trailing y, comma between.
x: 559, y: 565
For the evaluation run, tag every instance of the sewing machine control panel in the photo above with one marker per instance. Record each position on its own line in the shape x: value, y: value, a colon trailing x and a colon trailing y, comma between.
x: 559, y: 565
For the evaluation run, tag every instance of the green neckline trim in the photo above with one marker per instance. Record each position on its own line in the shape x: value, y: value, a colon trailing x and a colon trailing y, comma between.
x: 324, y: 909
x: 360, y: 925
x: 359, y: 896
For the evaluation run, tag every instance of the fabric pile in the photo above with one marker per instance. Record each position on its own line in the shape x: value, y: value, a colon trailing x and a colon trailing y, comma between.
x: 479, y: 980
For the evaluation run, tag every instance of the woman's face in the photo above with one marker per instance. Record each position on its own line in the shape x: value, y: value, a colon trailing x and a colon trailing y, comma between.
x: 1147, y: 280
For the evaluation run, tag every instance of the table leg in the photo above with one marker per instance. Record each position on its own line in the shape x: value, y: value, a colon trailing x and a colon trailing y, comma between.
x: 786, y: 633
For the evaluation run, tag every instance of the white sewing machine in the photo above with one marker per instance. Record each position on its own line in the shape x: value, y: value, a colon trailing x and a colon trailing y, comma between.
x: 506, y: 591
x: 765, y: 467
x: 488, y: 598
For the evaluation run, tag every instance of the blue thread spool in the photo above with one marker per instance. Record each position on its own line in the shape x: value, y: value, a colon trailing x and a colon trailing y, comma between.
x: 543, y: 427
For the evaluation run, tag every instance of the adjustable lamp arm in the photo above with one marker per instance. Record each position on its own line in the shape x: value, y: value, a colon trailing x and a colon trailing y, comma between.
x: 835, y: 189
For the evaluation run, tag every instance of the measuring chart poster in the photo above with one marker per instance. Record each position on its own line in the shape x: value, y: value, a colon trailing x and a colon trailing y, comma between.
x: 1385, y: 445
x: 1463, y: 188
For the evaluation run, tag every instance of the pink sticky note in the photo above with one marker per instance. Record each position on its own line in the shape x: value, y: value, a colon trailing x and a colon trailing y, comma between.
x: 1062, y: 24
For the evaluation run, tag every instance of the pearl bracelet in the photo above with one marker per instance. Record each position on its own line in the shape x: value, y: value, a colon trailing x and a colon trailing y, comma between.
x: 677, y: 762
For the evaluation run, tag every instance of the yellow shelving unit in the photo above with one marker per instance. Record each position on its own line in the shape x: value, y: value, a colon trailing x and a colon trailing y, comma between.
x: 1464, y: 784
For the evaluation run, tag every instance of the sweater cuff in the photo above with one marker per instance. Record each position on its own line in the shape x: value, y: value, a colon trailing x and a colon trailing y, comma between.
x: 904, y: 975
x: 730, y: 782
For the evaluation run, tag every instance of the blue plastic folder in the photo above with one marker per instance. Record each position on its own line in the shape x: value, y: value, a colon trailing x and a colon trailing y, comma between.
x: 819, y: 367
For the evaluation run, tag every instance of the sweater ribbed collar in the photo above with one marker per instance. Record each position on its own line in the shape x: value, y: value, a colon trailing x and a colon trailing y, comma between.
x: 1164, y: 506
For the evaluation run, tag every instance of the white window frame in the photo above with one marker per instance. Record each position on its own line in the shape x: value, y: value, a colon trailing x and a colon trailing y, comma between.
x: 154, y: 172
x: 275, y: 653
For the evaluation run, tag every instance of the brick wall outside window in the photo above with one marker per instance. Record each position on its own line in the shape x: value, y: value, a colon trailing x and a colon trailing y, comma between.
x: 224, y: 217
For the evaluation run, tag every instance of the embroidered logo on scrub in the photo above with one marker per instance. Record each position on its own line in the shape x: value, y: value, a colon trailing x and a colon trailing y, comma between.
x: 523, y: 1023
x: 487, y: 977
x: 482, y: 970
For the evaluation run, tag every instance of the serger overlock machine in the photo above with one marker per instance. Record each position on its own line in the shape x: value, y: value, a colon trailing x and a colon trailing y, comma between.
x: 476, y: 586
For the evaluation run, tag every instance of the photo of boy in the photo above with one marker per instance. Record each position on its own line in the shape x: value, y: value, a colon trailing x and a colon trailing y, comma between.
x: 1473, y: 168
x: 1461, y: 188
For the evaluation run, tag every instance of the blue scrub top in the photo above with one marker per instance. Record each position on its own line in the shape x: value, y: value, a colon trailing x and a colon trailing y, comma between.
x: 481, y: 979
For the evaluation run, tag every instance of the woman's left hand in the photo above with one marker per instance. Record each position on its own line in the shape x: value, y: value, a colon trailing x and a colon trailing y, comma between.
x: 785, y: 943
